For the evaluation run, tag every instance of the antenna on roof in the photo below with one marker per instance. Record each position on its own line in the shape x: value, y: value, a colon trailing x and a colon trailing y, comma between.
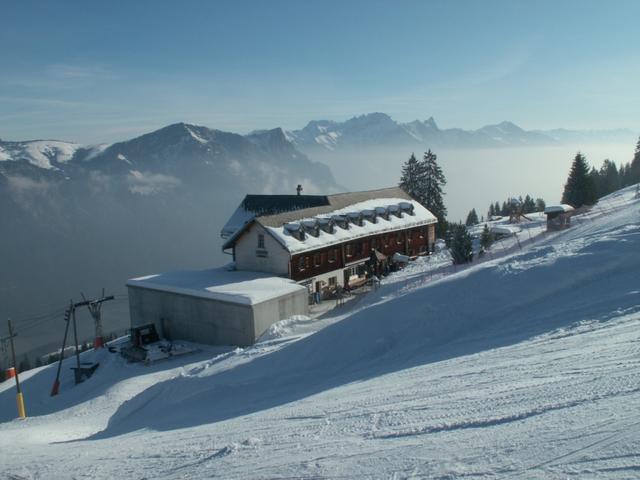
x: 299, y: 189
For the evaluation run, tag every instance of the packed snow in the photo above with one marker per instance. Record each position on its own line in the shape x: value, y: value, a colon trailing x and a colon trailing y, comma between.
x: 524, y: 365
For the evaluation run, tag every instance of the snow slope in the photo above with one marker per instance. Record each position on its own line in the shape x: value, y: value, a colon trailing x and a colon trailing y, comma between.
x: 525, y: 366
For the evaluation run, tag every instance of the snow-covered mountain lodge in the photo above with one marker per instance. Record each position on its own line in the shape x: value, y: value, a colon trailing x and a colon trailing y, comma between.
x: 284, y: 248
x: 326, y: 241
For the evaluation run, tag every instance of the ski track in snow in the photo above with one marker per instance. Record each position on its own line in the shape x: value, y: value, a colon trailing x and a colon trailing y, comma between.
x: 531, y: 369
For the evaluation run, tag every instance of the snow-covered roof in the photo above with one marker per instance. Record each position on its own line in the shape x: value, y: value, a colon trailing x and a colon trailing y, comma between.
x: 370, y: 206
x: 238, y: 220
x: 410, y: 214
x: 562, y: 208
x: 242, y: 287
x: 505, y: 229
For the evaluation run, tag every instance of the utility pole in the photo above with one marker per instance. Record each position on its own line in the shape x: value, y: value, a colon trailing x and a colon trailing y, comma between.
x: 75, y: 337
x: 94, y: 309
x: 67, y: 317
x: 19, y: 397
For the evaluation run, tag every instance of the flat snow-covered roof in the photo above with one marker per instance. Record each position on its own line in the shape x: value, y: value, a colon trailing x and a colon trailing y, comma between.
x: 562, y: 208
x: 421, y: 216
x: 242, y: 287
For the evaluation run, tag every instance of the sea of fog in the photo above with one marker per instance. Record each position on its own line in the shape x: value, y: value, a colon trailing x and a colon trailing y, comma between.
x: 475, y: 177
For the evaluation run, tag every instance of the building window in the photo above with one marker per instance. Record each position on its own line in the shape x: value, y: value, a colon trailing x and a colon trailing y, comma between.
x: 316, y: 260
x: 358, y: 249
x: 333, y: 281
x: 348, y: 250
x: 260, y: 240
x: 301, y: 263
x: 374, y: 243
x: 331, y: 255
x: 423, y: 232
x: 399, y: 238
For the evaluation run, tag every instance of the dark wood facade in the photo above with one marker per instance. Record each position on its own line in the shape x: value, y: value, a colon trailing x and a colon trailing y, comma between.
x: 412, y: 241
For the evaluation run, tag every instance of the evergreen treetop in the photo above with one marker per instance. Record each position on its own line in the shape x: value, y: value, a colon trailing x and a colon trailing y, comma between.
x: 472, y: 218
x: 423, y: 180
x: 461, y: 245
x: 580, y: 188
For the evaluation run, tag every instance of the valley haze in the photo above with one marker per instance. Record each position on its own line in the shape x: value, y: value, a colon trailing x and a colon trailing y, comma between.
x: 92, y: 216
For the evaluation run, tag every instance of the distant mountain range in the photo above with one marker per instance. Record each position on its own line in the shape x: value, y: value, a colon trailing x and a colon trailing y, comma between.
x: 379, y: 129
x: 263, y: 161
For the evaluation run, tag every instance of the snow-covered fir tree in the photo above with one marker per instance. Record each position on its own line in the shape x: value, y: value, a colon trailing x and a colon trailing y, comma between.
x: 423, y: 180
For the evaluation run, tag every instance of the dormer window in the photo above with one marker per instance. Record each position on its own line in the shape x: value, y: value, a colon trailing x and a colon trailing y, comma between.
x: 355, y: 218
x: 327, y: 225
x: 407, y: 207
x: 295, y: 230
x: 341, y: 221
x: 370, y: 216
x: 395, y: 210
x: 382, y: 212
x: 311, y: 227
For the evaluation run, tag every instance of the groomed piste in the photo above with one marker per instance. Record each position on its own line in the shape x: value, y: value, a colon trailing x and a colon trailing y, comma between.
x: 523, y: 366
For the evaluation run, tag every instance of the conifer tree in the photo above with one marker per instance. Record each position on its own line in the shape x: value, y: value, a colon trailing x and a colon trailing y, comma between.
x: 540, y: 205
x: 622, y: 173
x: 486, y: 239
x: 491, y: 211
x: 461, y: 246
x: 412, y: 178
x: 609, y: 178
x: 579, y: 189
x: 634, y: 168
x: 472, y: 218
x: 433, y: 182
x: 528, y: 205
x: 496, y: 209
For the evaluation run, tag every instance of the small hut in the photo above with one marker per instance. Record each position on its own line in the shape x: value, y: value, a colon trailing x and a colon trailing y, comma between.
x: 558, y: 216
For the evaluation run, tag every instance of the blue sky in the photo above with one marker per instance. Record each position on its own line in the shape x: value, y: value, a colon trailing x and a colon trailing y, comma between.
x: 105, y: 71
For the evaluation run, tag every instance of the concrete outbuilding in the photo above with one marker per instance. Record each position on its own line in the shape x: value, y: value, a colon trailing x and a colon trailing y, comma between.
x: 216, y: 307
